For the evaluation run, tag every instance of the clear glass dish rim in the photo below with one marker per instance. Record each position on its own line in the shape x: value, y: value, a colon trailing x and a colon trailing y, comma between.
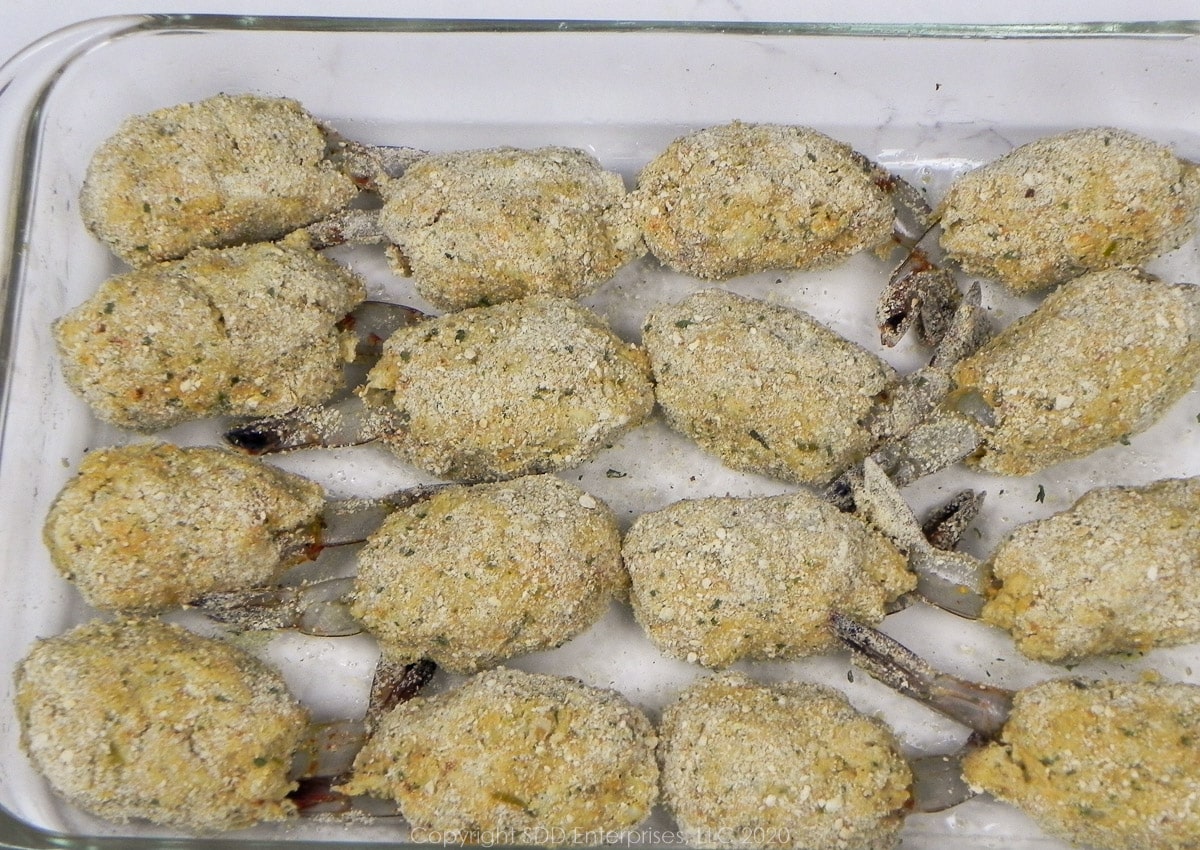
x: 27, y: 79
x: 121, y: 24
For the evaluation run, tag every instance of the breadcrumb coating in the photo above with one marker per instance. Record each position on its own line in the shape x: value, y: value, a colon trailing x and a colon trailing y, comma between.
x: 1110, y: 765
x: 475, y: 575
x: 251, y: 330
x: 764, y: 387
x: 718, y: 579
x: 152, y: 526
x: 789, y: 765
x: 486, y: 226
x: 528, y: 386
x: 1114, y: 573
x: 1068, y: 204
x: 223, y: 171
x: 741, y: 198
x: 514, y: 758
x: 140, y: 719
x: 1102, y: 358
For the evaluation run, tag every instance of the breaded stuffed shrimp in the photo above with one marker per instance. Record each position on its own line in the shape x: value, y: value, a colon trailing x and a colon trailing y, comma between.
x: 250, y: 330
x: 718, y: 579
x: 485, y: 226
x: 791, y: 765
x: 223, y: 171
x: 148, y: 527
x: 1064, y: 205
x: 476, y: 575
x: 489, y: 393
x: 741, y: 198
x: 519, y: 757
x: 764, y: 387
x: 1113, y: 573
x: 1102, y: 763
x: 138, y: 719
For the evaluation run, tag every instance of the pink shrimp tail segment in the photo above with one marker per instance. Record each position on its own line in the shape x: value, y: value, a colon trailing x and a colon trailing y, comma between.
x: 981, y: 707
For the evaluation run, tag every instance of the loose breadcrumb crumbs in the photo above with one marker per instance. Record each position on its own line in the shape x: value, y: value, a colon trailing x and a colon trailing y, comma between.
x: 1068, y: 204
x: 529, y: 386
x: 151, y: 526
x: 486, y: 226
x: 1115, y: 573
x: 245, y: 331
x: 1102, y: 358
x: 764, y: 387
x: 140, y: 719
x: 514, y: 758
x: 741, y: 198
x: 790, y: 765
x: 718, y: 579
x: 223, y: 171
x: 1110, y: 765
x: 476, y: 575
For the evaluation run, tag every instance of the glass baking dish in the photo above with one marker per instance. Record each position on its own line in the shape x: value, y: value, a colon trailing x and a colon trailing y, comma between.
x: 925, y: 101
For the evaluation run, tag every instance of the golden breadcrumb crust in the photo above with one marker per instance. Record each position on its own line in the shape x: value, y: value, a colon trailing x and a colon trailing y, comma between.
x: 1102, y: 358
x: 765, y: 388
x: 246, y: 331
x: 222, y: 171
x: 140, y: 719
x: 790, y: 765
x: 1068, y: 204
x: 1114, y: 573
x: 514, y: 758
x: 740, y: 198
x: 485, y: 226
x: 152, y: 526
x: 528, y: 386
x: 718, y: 579
x: 476, y: 575
x: 1105, y: 764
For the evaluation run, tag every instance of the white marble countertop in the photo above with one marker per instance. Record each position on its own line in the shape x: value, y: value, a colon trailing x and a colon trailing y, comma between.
x: 27, y: 20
